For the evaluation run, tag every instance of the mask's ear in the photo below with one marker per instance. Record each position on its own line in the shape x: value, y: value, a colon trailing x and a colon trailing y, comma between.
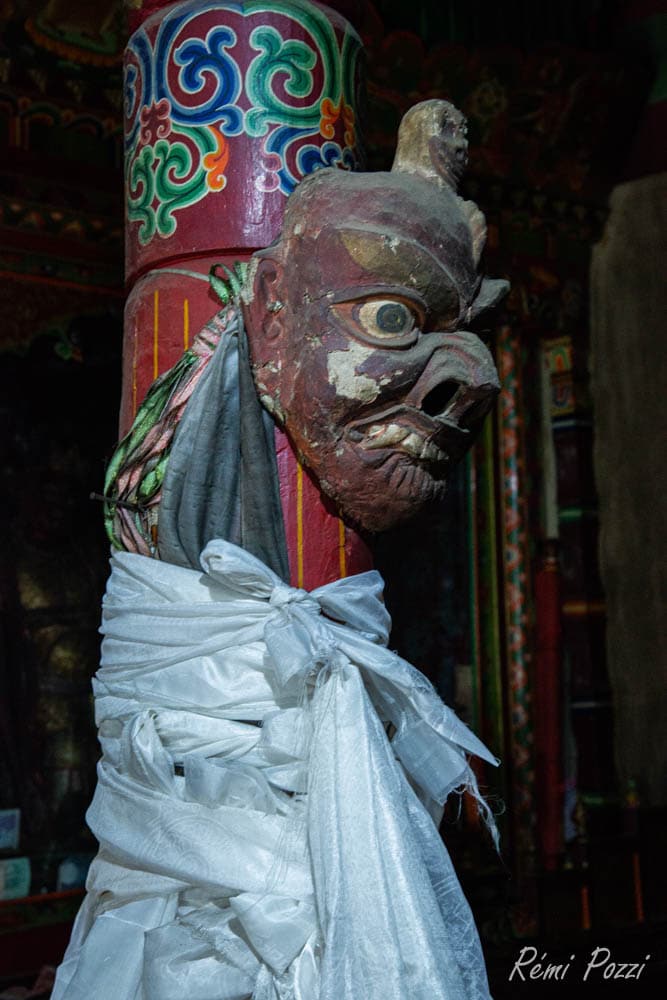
x: 264, y: 307
x: 490, y: 293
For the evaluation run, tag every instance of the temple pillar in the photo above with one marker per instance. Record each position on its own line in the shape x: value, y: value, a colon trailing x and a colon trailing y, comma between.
x: 227, y: 107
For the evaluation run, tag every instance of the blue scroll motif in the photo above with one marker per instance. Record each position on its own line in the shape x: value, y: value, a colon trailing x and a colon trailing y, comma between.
x: 278, y: 142
x: 193, y: 84
x: 142, y: 77
x: 198, y: 60
x: 311, y: 158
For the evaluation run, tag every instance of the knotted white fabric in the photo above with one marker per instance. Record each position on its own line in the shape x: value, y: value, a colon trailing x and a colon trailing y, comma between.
x: 292, y: 860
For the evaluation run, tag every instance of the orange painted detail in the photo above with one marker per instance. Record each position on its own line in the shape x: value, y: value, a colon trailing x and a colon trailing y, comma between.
x: 330, y: 113
x: 215, y: 163
x: 186, y: 324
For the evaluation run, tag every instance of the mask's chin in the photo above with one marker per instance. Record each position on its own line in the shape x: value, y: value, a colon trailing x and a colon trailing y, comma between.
x: 380, y: 487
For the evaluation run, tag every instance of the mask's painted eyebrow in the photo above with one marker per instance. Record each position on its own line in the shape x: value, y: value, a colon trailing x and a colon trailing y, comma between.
x: 403, y: 263
x: 377, y: 291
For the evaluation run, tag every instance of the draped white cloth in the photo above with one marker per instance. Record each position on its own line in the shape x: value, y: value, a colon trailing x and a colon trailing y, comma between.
x: 292, y: 860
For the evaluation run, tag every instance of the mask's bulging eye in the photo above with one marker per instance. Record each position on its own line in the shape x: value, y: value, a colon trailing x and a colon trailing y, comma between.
x: 386, y: 318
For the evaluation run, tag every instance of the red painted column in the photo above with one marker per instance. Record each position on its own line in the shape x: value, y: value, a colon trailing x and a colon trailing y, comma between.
x: 228, y: 105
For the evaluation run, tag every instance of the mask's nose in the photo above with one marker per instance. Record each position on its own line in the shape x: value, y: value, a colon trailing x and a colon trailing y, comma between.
x: 458, y: 384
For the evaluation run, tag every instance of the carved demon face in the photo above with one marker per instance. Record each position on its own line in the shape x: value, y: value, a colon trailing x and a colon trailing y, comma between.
x: 357, y: 326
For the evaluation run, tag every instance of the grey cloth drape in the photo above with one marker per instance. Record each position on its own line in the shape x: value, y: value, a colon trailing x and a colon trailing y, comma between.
x: 222, y: 479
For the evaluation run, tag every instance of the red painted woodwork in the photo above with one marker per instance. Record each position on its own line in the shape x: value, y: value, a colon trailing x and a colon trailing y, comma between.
x: 165, y: 309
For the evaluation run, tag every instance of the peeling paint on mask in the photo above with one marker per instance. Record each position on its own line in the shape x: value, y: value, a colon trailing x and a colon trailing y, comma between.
x: 272, y: 405
x: 343, y: 375
x: 357, y: 405
x: 248, y: 288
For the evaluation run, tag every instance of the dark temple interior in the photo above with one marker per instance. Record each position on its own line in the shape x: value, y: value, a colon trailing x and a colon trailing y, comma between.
x: 531, y: 594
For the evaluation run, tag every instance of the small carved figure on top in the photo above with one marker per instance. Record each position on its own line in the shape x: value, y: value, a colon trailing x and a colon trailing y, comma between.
x: 358, y: 323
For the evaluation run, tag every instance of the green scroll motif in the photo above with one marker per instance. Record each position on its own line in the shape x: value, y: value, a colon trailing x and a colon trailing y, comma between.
x: 168, y: 176
x: 291, y: 96
x: 141, y: 194
x: 295, y: 59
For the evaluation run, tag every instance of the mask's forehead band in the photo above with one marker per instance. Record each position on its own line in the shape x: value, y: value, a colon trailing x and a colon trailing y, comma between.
x: 395, y: 262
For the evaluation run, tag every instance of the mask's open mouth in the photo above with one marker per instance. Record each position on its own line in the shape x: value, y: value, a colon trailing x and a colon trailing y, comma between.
x: 398, y: 437
x: 434, y: 440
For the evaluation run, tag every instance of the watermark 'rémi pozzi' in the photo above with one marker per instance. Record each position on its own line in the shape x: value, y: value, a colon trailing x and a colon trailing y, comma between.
x: 598, y: 964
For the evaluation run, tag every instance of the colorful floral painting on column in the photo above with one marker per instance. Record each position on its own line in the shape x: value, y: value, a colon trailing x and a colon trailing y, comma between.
x: 207, y: 78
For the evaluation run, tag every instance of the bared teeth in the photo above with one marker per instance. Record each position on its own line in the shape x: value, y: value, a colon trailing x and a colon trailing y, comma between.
x: 388, y: 435
x: 413, y: 444
x: 431, y: 453
x: 382, y: 435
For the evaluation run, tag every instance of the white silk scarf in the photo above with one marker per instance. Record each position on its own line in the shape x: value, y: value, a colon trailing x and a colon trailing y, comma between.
x: 260, y: 837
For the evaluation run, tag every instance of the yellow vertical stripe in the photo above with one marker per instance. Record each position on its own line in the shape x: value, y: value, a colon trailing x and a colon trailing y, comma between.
x: 186, y: 324
x: 299, y: 525
x: 342, y: 559
x: 156, y: 300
